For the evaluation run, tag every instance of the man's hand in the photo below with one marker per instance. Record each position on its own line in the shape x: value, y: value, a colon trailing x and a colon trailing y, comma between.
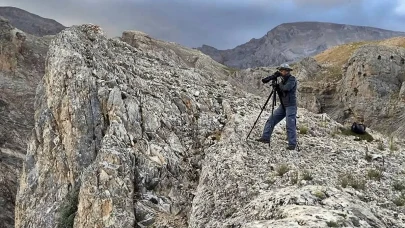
x: 280, y: 80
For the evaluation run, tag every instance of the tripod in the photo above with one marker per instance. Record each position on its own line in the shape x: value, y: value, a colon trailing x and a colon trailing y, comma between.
x: 273, y: 93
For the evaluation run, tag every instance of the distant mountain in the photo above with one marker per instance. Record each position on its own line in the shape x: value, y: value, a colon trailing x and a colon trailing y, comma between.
x: 30, y: 23
x: 290, y: 42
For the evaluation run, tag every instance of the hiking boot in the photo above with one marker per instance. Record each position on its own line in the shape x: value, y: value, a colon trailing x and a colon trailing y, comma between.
x: 263, y: 140
x: 290, y: 147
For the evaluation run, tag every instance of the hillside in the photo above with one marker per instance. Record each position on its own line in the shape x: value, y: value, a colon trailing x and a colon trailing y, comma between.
x: 127, y: 135
x: 290, y: 42
x: 22, y: 62
x: 371, y: 85
x: 30, y: 23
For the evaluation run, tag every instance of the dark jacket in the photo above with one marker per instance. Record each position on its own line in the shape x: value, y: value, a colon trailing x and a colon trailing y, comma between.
x: 288, y: 90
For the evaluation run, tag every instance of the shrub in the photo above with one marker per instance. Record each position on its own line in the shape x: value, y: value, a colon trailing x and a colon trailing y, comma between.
x: 400, y: 201
x: 392, y: 145
x: 332, y: 224
x: 320, y: 194
x: 381, y: 145
x: 282, y: 169
x: 375, y: 174
x: 307, y: 175
x: 357, y: 183
x: 399, y: 185
x: 304, y: 129
x: 294, y: 178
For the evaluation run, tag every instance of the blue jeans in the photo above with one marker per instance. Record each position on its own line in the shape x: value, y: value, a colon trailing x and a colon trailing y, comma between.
x: 279, y: 113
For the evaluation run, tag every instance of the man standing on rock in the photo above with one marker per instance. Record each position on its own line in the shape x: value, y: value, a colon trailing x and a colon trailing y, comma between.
x: 287, y: 91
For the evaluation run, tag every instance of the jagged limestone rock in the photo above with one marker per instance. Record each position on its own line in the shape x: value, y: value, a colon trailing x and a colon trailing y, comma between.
x: 120, y: 126
x: 125, y: 137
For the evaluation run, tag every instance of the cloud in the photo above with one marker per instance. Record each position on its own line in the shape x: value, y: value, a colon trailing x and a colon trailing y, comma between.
x: 324, y: 3
x: 220, y: 23
x: 400, y: 9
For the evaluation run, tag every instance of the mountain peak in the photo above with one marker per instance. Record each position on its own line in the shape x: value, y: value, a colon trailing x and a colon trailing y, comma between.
x: 292, y: 41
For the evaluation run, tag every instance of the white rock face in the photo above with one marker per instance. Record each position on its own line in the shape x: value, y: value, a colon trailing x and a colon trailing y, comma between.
x: 122, y: 139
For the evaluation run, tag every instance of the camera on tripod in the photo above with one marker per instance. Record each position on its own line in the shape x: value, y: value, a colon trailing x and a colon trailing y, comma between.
x: 272, y: 78
x: 275, y: 91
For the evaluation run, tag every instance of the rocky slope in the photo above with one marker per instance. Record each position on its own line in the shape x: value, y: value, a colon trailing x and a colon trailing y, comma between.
x: 30, y: 23
x: 124, y: 136
x: 22, y: 62
x: 291, y: 42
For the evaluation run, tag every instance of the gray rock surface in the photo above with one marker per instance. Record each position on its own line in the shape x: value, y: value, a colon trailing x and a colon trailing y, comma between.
x: 177, y: 54
x: 290, y: 42
x: 124, y: 136
x: 22, y: 61
x: 30, y: 23
x: 371, y: 86
x: 248, y: 185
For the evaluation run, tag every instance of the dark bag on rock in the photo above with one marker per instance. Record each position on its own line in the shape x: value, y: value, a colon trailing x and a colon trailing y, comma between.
x: 358, y: 128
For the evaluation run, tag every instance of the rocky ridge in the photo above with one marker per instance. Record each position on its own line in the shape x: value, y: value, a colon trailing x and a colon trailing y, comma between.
x: 30, y: 23
x: 127, y: 133
x: 22, y: 62
x: 182, y: 57
x: 290, y: 42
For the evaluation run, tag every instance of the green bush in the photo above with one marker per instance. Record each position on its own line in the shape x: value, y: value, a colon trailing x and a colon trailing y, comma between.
x: 282, y: 169
x: 375, y: 174
x: 353, y: 181
x: 307, y: 175
x: 399, y: 185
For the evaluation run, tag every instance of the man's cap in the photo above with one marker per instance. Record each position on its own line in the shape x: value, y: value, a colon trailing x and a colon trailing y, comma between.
x: 284, y: 66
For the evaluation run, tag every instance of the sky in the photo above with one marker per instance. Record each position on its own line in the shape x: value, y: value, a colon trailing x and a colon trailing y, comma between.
x: 223, y: 24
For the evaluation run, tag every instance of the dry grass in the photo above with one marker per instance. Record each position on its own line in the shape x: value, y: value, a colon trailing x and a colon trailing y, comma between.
x: 339, y: 55
x: 396, y: 42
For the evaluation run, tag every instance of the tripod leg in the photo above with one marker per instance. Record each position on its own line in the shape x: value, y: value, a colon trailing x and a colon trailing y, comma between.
x: 264, y: 106
x: 298, y: 143
x: 272, y: 111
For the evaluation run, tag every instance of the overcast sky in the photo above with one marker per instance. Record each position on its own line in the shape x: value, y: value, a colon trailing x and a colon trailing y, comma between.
x: 219, y: 23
